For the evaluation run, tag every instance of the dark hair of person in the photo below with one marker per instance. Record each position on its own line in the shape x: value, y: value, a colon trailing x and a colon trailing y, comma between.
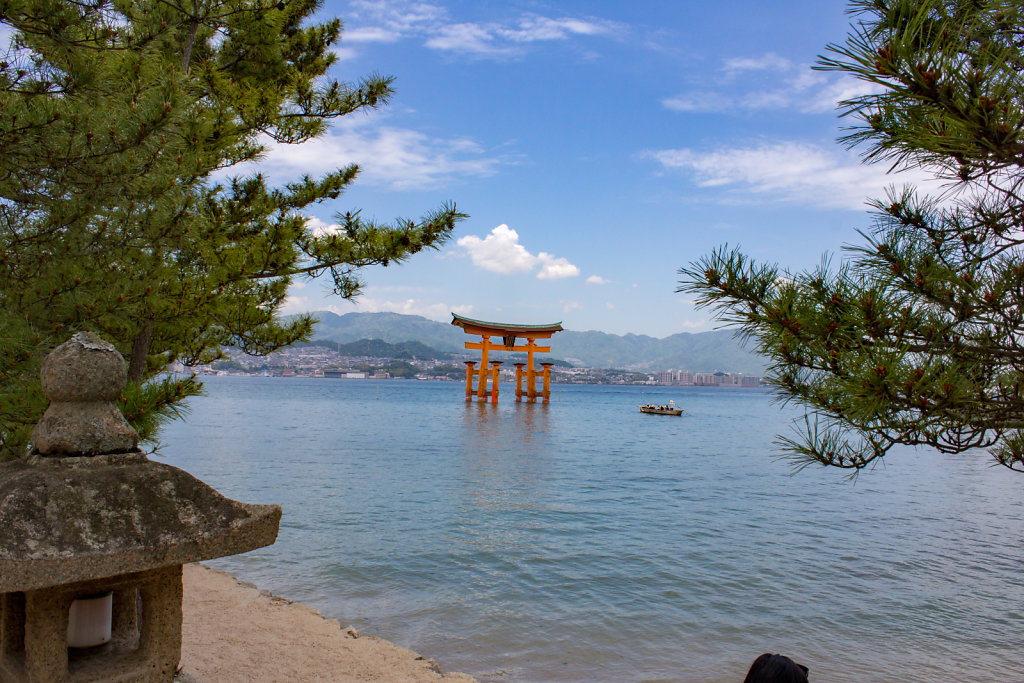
x: 769, y: 668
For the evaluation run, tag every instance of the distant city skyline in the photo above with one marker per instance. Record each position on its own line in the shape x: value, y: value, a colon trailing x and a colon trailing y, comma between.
x: 597, y: 146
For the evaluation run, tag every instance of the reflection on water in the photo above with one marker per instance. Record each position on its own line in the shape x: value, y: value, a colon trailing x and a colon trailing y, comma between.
x: 581, y: 540
x: 504, y: 452
x: 524, y: 425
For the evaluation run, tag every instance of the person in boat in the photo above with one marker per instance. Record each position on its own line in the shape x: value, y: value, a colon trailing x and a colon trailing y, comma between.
x: 769, y: 668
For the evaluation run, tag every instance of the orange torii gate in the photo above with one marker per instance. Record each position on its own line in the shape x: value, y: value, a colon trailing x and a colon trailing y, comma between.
x: 508, y: 334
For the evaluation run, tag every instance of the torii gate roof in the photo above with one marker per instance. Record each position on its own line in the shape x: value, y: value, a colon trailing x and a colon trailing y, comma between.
x: 503, y: 329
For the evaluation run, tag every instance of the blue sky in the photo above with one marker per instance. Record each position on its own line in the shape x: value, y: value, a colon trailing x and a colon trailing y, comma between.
x: 597, y: 147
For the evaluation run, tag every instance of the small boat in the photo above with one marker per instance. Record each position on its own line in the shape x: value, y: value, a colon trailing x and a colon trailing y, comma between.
x: 670, y: 409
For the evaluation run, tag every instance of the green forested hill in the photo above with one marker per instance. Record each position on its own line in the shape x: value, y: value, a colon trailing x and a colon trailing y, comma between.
x: 699, y: 352
x: 406, y: 350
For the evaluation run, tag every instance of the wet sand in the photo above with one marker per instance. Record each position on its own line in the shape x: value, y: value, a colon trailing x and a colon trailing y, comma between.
x: 233, y: 632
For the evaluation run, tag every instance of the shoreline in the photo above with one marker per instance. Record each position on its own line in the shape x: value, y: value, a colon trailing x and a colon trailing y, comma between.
x: 232, y: 631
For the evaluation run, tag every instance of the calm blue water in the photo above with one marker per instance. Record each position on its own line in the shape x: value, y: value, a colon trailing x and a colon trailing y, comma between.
x: 585, y: 541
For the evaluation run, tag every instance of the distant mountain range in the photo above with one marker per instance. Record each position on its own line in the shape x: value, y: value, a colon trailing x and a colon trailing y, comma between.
x: 378, y: 348
x: 697, y: 352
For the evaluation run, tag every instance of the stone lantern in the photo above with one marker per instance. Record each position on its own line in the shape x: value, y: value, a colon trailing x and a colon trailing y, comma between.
x: 93, y: 535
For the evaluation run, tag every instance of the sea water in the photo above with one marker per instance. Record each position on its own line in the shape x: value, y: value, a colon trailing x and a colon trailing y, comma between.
x: 585, y: 541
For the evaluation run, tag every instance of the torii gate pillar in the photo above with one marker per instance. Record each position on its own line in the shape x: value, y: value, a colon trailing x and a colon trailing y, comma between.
x: 547, y: 381
x: 469, y: 379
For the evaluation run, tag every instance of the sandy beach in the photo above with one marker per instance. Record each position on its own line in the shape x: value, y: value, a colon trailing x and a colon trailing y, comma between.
x: 234, y: 632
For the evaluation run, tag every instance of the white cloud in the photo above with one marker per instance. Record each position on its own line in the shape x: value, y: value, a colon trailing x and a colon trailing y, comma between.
x: 845, y: 88
x: 399, y: 158
x: 308, y: 295
x: 500, y: 252
x: 389, y: 20
x: 710, y: 101
x: 531, y: 29
x: 497, y: 39
x: 568, y: 306
x: 790, y: 171
x: 766, y: 99
x: 695, y: 101
x: 399, y: 16
x: 293, y: 305
x: 766, y: 62
x: 769, y: 82
x: 590, y: 28
x: 319, y: 227
x: 553, y: 268
x: 597, y: 280
x: 344, y: 53
x: 473, y: 38
x: 370, y: 34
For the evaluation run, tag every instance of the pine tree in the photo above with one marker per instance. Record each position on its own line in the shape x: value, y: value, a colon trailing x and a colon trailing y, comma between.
x: 917, y: 335
x: 114, y: 118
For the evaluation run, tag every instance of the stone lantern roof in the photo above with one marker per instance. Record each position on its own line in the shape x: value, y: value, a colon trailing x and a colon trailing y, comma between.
x: 71, y: 519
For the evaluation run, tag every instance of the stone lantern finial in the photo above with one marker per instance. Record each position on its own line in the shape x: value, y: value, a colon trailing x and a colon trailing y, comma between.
x: 83, y: 378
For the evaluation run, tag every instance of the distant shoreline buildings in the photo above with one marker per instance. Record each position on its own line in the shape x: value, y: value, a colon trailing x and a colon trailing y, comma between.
x: 685, y: 378
x: 320, y: 361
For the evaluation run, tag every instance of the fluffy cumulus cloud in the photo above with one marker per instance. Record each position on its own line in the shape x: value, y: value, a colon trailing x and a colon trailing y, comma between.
x: 319, y: 227
x: 555, y: 268
x: 500, y: 252
x: 597, y: 280
x: 398, y: 158
x: 391, y: 20
x: 769, y: 82
x: 790, y: 171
